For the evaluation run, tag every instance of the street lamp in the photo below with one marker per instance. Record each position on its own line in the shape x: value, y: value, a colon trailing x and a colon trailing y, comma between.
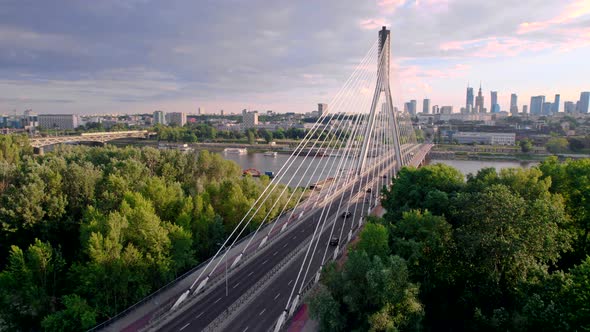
x: 225, y: 253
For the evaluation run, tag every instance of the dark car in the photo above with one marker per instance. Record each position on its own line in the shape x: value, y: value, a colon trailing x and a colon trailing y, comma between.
x: 346, y: 214
x: 334, y: 241
x: 384, y: 176
x: 369, y: 190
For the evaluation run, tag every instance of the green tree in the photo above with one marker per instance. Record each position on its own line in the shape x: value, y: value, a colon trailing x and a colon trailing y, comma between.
x: 526, y: 145
x: 325, y: 309
x: 77, y: 315
x: 557, y: 145
x: 374, y: 240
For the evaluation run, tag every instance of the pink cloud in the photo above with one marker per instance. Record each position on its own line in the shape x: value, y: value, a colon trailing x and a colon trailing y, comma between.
x: 389, y: 6
x: 571, y: 12
x: 494, y: 46
x: 372, y: 24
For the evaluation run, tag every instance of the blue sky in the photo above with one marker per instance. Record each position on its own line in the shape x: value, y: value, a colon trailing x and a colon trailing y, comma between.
x: 128, y: 56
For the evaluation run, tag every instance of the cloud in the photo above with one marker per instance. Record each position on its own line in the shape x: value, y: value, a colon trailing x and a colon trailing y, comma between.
x: 372, y: 24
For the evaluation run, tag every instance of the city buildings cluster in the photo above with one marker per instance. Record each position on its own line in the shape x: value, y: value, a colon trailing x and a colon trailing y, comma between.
x: 475, y: 104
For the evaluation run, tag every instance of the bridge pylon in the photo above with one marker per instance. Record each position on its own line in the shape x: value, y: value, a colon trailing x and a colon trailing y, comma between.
x: 381, y: 88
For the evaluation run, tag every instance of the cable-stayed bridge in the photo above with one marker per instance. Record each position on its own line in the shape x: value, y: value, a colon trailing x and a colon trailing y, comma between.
x: 257, y: 282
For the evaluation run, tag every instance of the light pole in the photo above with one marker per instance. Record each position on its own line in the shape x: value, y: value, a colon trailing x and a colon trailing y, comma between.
x: 225, y: 252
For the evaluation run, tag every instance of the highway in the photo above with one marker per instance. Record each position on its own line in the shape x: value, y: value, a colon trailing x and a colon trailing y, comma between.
x: 265, y: 309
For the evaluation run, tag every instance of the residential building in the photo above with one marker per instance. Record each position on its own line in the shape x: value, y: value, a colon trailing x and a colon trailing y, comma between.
x: 435, y: 109
x: 547, y: 107
x: 446, y: 110
x: 176, y: 118
x: 322, y: 109
x: 494, y: 107
x: 58, y: 121
x: 525, y: 109
x: 159, y: 117
x: 249, y: 119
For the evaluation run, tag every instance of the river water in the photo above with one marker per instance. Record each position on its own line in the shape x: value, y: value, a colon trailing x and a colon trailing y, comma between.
x: 266, y: 163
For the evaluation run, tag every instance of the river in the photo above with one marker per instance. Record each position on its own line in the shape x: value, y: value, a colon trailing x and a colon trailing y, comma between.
x: 266, y: 163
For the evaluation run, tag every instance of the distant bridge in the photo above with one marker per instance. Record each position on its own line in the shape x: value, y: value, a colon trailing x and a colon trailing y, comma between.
x: 40, y: 142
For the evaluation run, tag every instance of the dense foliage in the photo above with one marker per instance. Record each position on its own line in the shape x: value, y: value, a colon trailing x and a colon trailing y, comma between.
x: 498, y: 251
x: 86, y: 232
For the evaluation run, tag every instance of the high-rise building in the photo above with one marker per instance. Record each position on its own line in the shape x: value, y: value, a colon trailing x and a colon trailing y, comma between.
x: 547, y: 107
x: 494, y: 108
x: 583, y: 106
x: 249, y: 119
x: 426, y: 106
x: 414, y: 106
x: 513, y: 103
x: 435, y: 109
x: 159, y: 117
x: 537, y: 105
x: 176, y: 118
x: 555, y: 106
x: 446, y: 110
x: 479, y: 102
x: 322, y: 108
x: 469, y: 100
x: 525, y: 109
x: 58, y: 121
x: 221, y: 112
x: 569, y: 107
x: 201, y: 111
x: 407, y: 107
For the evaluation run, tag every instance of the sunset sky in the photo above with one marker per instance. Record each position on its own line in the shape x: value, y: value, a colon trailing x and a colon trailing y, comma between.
x: 136, y: 56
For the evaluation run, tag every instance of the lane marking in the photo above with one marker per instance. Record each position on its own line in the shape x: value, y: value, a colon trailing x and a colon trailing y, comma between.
x: 236, y: 285
x: 246, y: 329
x: 275, y: 253
x: 277, y: 295
x: 266, y: 260
x: 285, y: 245
x: 263, y: 310
x: 200, y: 314
x: 249, y: 274
x: 294, y: 237
x: 217, y: 300
x: 290, y: 281
x: 184, y: 327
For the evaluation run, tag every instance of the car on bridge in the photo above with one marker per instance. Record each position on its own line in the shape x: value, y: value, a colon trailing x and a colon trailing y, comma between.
x: 334, y: 241
x: 346, y: 214
x: 369, y: 190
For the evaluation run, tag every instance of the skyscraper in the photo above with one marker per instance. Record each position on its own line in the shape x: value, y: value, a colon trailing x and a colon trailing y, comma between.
x: 583, y: 106
x: 569, y: 107
x: 322, y: 108
x: 479, y: 102
x: 537, y: 104
x: 547, y: 108
x: 494, y: 108
x: 513, y: 103
x: 555, y: 106
x: 426, y: 106
x: 525, y: 109
x: 413, y: 107
x: 469, y: 100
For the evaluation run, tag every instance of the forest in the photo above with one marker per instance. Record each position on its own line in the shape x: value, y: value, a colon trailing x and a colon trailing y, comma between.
x: 498, y: 251
x: 86, y: 232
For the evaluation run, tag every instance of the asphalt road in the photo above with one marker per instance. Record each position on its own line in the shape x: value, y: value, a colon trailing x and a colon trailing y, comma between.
x: 261, y: 314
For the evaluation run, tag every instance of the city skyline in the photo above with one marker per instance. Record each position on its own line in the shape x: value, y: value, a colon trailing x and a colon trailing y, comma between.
x: 141, y: 56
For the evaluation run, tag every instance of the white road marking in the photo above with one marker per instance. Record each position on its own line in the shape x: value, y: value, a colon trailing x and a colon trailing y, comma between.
x: 290, y: 281
x: 246, y: 329
x: 275, y: 253
x: 184, y: 327
x: 263, y: 310
x: 294, y: 237
x: 236, y: 285
x: 266, y: 260
x: 285, y: 245
x: 249, y: 274
x: 200, y: 314
x: 277, y: 296
x: 217, y: 300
